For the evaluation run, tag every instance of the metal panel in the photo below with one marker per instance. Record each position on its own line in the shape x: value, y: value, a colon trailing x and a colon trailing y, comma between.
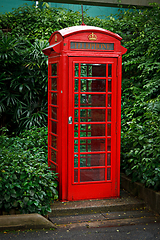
x: 111, y: 3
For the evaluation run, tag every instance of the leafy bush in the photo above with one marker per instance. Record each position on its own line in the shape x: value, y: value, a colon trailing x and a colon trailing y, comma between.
x: 23, y: 83
x: 23, y: 78
x: 26, y: 183
x: 141, y: 99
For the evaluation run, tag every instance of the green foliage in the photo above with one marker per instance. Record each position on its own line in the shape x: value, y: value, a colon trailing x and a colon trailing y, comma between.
x: 141, y: 99
x: 26, y: 183
x: 23, y: 83
x: 23, y: 78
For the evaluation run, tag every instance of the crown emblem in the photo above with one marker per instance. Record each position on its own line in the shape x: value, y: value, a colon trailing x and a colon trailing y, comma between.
x: 92, y: 37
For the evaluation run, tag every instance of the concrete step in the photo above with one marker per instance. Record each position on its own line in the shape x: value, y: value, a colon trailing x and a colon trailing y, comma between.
x: 109, y: 219
x: 124, y: 203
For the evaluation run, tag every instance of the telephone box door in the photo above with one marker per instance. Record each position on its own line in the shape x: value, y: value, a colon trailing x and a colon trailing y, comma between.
x: 93, y: 167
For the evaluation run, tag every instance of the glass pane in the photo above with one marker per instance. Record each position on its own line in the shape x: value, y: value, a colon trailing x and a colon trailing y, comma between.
x: 85, y: 130
x: 53, y: 155
x: 92, y: 115
x: 76, y: 70
x: 92, y: 145
x: 109, y: 100
x: 52, y: 166
x: 86, y: 70
x: 75, y: 145
x: 109, y: 85
x: 90, y: 130
x: 54, y: 141
x: 54, y: 84
x: 54, y: 127
x: 54, y: 98
x: 92, y: 160
x: 109, y: 144
x: 108, y: 174
x: 76, y: 85
x: 89, y: 175
x: 109, y: 115
x: 75, y: 160
x: 93, y: 100
x: 93, y: 70
x: 108, y: 129
x: 85, y: 145
x: 109, y: 70
x: 76, y: 115
x: 99, y: 70
x: 76, y: 130
x: 98, y: 145
x: 93, y: 85
x: 54, y: 69
x: 76, y: 175
x: 54, y: 113
x: 108, y: 159
x: 76, y: 100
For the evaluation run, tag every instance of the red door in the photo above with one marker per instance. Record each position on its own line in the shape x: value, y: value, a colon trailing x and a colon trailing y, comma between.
x: 92, y: 162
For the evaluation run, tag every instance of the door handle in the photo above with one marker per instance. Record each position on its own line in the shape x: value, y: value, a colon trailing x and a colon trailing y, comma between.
x: 70, y: 120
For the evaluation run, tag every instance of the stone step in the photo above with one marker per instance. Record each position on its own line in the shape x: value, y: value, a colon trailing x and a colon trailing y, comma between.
x: 125, y: 203
x: 109, y: 219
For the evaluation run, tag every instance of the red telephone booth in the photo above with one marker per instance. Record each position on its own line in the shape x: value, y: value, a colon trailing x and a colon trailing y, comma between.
x: 84, y: 111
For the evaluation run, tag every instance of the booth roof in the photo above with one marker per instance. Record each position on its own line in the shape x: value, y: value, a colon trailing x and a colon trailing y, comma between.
x: 72, y: 30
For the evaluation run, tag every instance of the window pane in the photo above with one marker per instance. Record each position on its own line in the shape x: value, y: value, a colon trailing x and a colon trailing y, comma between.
x: 76, y: 115
x: 86, y: 70
x: 76, y: 160
x: 54, y: 127
x: 54, y: 141
x: 93, y: 85
x: 93, y: 100
x: 76, y: 100
x: 75, y: 175
x: 108, y: 174
x: 109, y: 100
x: 54, y: 84
x: 75, y: 145
x: 76, y: 130
x: 54, y: 113
x: 109, y: 85
x: 54, y: 69
x: 108, y: 129
x: 109, y: 115
x: 109, y: 144
x: 76, y: 70
x: 76, y: 85
x: 54, y: 98
x: 92, y: 115
x: 85, y: 145
x: 108, y: 159
x: 52, y: 166
x: 90, y: 130
x: 109, y: 70
x: 53, y: 155
x: 89, y: 175
x: 92, y: 145
x: 93, y: 70
x: 92, y: 160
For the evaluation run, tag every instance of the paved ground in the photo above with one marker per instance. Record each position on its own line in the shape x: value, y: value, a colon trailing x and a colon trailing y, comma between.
x: 116, y: 219
x: 150, y: 231
x: 136, y: 225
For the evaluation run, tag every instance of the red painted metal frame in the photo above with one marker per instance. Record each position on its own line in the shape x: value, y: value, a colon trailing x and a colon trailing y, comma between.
x: 102, y: 189
x: 60, y: 52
